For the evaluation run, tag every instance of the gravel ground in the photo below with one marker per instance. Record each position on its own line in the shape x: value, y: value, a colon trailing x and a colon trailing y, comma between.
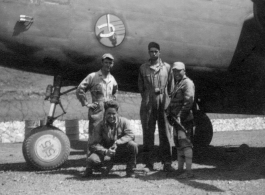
x: 233, y: 164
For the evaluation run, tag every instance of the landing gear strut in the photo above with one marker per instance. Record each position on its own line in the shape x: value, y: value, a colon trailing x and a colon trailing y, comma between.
x: 47, y: 147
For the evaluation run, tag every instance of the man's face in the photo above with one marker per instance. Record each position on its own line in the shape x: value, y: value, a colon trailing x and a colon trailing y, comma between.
x: 107, y: 64
x: 178, y: 74
x: 111, y: 115
x: 154, y: 53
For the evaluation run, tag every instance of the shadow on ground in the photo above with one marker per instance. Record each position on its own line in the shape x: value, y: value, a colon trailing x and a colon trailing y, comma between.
x: 210, y: 163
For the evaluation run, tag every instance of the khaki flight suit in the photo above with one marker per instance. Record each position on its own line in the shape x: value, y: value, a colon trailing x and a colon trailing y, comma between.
x: 154, y: 84
x: 102, y: 90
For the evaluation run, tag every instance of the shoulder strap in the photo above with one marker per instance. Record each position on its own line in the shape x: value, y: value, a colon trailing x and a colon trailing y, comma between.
x: 177, y: 88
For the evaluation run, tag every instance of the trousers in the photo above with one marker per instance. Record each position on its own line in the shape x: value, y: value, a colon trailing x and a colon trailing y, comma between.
x: 126, y: 152
x: 151, y: 112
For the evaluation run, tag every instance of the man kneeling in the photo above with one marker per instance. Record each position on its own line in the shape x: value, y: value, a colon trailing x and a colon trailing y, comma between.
x: 111, y: 137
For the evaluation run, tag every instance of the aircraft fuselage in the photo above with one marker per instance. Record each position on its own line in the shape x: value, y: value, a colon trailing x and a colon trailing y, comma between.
x: 69, y: 37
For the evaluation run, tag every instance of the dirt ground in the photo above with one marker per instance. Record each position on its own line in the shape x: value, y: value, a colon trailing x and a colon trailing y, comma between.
x: 233, y: 164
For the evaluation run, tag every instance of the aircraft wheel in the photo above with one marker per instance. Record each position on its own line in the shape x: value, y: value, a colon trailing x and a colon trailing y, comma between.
x: 25, y: 155
x: 203, y: 129
x: 46, y: 148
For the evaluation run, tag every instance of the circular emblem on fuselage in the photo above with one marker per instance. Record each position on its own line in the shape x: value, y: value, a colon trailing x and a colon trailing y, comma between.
x: 110, y: 30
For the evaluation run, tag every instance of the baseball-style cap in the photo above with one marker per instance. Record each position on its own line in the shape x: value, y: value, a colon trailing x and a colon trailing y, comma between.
x: 107, y: 55
x: 178, y: 66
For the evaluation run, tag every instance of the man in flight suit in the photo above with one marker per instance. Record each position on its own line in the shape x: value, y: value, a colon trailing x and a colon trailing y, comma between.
x: 154, y: 83
x: 180, y: 116
x: 112, y: 137
x: 103, y: 87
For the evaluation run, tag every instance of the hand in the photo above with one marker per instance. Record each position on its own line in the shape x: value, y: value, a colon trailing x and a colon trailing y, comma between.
x: 118, y: 142
x: 170, y: 120
x: 93, y: 106
x: 110, y: 152
x: 107, y: 158
x: 178, y: 119
x: 173, y: 120
x: 114, y: 146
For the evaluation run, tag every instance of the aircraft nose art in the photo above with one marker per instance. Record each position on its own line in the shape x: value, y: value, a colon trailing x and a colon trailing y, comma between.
x: 110, y: 30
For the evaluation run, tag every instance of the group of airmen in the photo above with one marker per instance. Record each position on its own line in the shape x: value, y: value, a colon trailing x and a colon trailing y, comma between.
x: 167, y: 99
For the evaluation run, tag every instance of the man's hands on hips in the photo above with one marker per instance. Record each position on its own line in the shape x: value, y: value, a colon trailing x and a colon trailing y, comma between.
x: 93, y: 106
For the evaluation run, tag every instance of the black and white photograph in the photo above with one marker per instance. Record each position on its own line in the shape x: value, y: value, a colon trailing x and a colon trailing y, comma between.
x: 132, y: 97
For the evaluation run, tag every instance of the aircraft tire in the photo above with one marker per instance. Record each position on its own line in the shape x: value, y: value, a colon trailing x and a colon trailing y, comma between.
x: 46, y: 148
x: 203, y: 130
x: 29, y: 164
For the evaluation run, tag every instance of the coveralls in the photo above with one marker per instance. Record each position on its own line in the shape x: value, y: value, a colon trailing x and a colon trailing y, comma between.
x: 153, y: 106
x: 180, y: 106
x: 104, y: 137
x: 101, y: 89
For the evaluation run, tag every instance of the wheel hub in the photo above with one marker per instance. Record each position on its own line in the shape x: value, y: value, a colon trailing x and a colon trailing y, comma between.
x: 48, y: 148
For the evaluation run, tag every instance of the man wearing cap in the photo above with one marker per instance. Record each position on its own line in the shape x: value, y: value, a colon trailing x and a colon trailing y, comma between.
x: 180, y: 116
x: 103, y: 87
x: 154, y: 83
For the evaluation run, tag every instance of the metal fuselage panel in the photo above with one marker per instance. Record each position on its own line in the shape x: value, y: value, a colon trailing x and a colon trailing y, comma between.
x: 62, y: 40
x: 200, y: 33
